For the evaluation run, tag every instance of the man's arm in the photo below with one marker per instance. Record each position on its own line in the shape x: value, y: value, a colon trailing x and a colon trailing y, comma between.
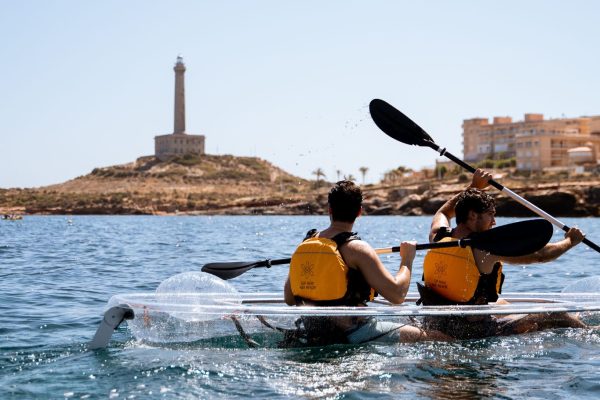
x: 361, y: 255
x: 550, y: 251
x: 443, y: 216
x: 288, y: 296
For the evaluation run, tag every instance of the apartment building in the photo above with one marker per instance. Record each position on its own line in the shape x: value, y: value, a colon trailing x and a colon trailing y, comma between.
x: 536, y: 143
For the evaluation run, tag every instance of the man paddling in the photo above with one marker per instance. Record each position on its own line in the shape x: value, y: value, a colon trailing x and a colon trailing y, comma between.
x: 471, y: 276
x: 334, y: 267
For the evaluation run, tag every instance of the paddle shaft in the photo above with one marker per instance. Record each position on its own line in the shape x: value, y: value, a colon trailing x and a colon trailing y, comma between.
x: 512, y: 240
x: 512, y: 195
x: 384, y: 250
x: 424, y: 246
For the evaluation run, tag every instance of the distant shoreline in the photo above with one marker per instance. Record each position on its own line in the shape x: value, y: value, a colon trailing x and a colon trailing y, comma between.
x: 230, y: 185
x: 569, y: 199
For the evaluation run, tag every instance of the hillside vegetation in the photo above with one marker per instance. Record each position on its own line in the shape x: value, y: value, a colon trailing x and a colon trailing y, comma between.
x: 148, y: 186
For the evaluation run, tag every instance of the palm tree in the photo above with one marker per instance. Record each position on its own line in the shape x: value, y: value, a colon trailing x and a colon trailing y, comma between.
x: 319, y: 174
x: 349, y: 177
x: 339, y: 173
x: 363, y: 171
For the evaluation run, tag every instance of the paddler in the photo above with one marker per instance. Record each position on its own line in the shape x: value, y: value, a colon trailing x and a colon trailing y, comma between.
x: 471, y: 276
x: 334, y: 267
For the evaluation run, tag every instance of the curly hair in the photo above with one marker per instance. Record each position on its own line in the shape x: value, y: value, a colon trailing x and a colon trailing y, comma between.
x: 472, y: 200
x: 345, y: 200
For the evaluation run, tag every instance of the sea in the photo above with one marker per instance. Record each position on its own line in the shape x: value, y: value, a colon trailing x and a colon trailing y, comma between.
x: 58, y: 272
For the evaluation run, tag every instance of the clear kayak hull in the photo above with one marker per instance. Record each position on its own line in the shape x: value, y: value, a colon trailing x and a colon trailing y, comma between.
x: 190, y: 317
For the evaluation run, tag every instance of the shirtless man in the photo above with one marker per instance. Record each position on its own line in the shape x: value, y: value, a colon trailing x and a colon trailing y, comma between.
x: 334, y: 267
x: 474, y: 277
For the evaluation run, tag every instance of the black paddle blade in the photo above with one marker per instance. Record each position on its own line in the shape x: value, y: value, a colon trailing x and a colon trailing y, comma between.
x: 514, y: 240
x: 230, y: 270
x: 397, y: 125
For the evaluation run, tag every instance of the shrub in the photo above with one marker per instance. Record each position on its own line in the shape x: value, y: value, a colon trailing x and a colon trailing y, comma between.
x: 188, y: 160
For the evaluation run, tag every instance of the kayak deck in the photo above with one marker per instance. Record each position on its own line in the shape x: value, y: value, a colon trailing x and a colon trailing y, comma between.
x: 198, y: 307
x: 190, y: 317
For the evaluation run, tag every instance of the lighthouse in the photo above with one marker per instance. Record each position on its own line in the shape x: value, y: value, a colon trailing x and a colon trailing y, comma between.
x: 179, y: 123
x: 178, y: 143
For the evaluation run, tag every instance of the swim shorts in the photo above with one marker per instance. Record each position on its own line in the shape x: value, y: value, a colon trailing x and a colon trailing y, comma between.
x: 375, y: 331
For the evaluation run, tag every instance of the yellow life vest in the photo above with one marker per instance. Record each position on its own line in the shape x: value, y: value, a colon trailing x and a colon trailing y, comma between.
x: 452, y: 273
x: 318, y: 273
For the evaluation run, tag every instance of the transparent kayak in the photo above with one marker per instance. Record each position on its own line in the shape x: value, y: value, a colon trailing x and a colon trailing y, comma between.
x: 188, y: 317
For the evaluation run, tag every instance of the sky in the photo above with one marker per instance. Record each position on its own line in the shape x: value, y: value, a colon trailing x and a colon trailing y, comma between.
x: 87, y: 84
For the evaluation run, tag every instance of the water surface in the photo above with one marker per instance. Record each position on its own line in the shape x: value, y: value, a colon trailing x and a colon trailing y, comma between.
x: 57, y: 273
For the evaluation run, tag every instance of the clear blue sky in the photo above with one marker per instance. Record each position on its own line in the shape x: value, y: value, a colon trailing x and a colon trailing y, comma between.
x: 86, y: 84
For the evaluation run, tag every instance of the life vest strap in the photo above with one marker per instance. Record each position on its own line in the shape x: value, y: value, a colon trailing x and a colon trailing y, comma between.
x: 339, y: 239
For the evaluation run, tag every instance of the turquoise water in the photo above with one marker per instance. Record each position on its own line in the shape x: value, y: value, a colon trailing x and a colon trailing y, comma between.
x: 57, y: 273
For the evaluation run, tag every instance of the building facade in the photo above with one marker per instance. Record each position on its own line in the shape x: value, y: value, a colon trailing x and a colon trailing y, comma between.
x: 535, y: 143
x: 178, y: 143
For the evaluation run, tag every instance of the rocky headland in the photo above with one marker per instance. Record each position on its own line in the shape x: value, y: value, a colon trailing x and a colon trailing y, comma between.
x: 229, y: 185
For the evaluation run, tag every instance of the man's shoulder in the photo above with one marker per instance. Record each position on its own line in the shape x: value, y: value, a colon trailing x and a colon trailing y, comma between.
x: 357, y: 246
x: 357, y: 253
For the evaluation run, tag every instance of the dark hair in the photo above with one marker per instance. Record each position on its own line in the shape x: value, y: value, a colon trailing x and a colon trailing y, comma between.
x: 345, y: 200
x: 472, y: 200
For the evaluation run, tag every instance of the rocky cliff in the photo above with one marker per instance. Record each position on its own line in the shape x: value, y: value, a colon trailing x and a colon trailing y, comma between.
x: 570, y: 199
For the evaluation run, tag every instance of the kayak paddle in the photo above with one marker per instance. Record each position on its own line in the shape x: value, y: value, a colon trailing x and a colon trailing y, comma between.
x: 511, y: 240
x: 398, y: 126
